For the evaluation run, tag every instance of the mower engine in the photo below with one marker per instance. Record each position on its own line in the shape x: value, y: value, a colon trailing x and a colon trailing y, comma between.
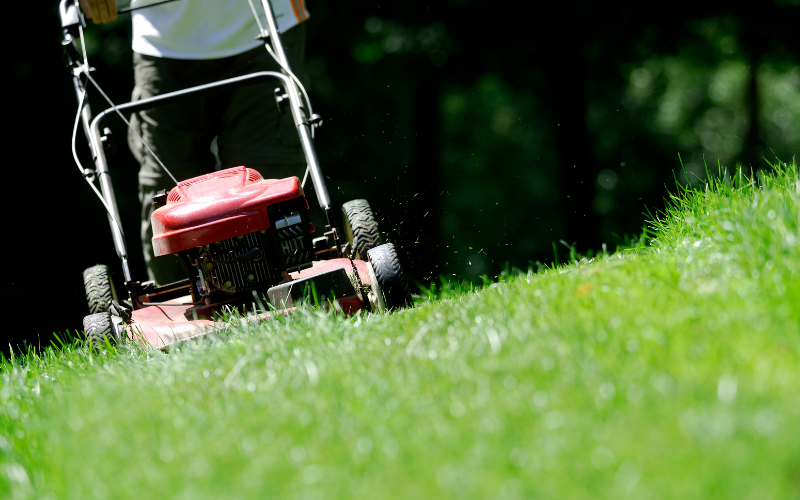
x: 235, y: 231
x: 242, y: 263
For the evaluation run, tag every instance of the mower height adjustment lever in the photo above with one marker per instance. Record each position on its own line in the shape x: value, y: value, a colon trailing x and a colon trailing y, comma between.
x: 121, y: 311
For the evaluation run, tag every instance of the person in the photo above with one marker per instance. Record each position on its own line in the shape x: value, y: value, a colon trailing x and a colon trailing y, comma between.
x: 192, y: 42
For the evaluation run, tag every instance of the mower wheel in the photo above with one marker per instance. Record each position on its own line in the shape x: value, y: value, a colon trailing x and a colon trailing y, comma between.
x: 99, y: 330
x: 387, y: 279
x: 360, y: 227
x: 99, y: 288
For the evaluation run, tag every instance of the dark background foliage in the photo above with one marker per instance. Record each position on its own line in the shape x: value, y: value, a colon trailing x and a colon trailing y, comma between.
x: 481, y: 132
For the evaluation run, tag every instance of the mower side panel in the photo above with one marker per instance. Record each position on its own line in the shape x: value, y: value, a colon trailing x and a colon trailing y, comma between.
x: 163, y: 326
x: 321, y: 266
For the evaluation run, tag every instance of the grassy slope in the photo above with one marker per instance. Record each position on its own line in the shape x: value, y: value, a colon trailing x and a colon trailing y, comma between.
x: 665, y: 372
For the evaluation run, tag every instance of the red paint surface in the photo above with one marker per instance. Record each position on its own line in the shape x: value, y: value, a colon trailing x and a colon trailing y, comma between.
x: 216, y: 207
x: 322, y: 266
x: 350, y: 305
x: 162, y: 326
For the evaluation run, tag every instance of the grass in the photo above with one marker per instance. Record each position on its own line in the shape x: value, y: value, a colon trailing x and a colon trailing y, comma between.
x: 664, y: 371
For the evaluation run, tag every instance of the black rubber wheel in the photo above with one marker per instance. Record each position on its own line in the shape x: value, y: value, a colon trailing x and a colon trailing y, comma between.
x: 360, y: 227
x: 99, y: 330
x: 99, y: 288
x: 391, y: 282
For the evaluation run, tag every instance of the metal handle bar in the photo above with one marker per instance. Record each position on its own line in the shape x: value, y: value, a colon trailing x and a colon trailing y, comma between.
x: 126, y: 10
x: 71, y: 17
x: 190, y: 93
x: 303, y: 127
x: 71, y: 20
x: 101, y: 164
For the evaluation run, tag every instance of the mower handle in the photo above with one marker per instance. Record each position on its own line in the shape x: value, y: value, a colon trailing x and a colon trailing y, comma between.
x: 190, y: 93
x: 303, y: 128
x: 71, y: 15
x: 128, y: 9
x: 101, y: 164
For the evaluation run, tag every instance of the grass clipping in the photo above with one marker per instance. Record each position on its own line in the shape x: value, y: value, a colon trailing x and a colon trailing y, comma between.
x: 665, y: 371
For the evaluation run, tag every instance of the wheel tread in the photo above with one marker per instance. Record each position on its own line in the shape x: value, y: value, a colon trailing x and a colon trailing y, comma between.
x: 99, y: 330
x: 360, y: 220
x: 99, y: 288
x: 390, y: 275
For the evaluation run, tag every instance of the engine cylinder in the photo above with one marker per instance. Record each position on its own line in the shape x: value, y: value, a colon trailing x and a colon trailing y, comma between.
x: 232, y: 266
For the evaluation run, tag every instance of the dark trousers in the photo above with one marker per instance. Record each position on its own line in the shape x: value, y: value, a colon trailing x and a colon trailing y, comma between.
x: 245, y: 122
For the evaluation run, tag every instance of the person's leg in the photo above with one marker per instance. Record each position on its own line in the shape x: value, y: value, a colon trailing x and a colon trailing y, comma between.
x: 253, y: 132
x: 180, y: 134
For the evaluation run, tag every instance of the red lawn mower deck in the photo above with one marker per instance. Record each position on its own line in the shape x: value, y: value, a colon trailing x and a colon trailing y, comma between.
x: 165, y: 325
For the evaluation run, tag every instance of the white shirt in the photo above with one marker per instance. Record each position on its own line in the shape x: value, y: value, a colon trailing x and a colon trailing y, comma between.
x: 206, y: 29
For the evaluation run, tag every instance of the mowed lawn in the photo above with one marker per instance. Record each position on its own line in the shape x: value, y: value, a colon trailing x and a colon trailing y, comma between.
x: 666, y: 371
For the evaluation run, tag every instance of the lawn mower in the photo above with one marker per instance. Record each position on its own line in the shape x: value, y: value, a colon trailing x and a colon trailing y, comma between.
x: 246, y: 243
